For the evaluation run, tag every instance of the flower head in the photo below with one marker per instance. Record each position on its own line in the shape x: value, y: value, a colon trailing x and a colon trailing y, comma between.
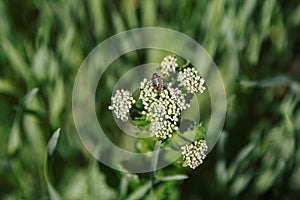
x: 121, y: 102
x: 190, y: 79
x: 194, y: 153
x: 168, y: 65
x: 162, y: 108
x: 162, y: 128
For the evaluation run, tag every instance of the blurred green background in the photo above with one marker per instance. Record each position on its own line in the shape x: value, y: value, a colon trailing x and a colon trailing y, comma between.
x: 254, y: 43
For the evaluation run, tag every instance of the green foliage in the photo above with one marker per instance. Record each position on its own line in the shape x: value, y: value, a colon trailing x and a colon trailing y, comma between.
x: 50, y: 149
x: 255, y: 45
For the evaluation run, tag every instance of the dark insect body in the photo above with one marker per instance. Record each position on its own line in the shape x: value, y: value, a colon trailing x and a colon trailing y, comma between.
x: 157, y: 82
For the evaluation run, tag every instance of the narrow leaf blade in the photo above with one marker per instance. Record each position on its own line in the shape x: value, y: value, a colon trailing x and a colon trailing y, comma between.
x: 177, y: 177
x: 140, y: 192
x: 53, y: 141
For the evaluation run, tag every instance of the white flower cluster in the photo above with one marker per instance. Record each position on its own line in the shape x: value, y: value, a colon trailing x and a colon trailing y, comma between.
x: 121, y: 102
x: 190, y: 79
x: 162, y: 108
x: 168, y: 65
x: 195, y: 153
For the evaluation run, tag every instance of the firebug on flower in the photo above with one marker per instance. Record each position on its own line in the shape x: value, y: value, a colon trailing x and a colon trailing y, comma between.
x: 157, y: 82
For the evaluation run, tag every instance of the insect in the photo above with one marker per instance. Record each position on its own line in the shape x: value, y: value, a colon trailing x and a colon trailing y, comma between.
x: 157, y: 82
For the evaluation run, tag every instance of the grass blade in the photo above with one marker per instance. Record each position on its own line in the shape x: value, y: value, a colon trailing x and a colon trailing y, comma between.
x: 50, y: 148
x: 177, y: 177
x: 28, y: 97
x: 140, y: 192
x: 16, y: 59
x: 14, y: 141
x: 53, y: 141
x: 123, y: 187
x: 281, y: 80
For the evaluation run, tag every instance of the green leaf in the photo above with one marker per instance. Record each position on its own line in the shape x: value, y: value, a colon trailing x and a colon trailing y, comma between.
x: 176, y: 177
x: 40, y: 64
x: 243, y: 154
x: 294, y: 17
x: 188, y: 63
x: 75, y: 185
x: 182, y: 63
x: 278, y: 34
x: 29, y: 96
x: 240, y: 183
x: 98, y: 14
x: 265, y: 180
x: 141, y: 121
x: 16, y: 59
x: 117, y: 21
x: 35, y: 136
x: 140, y: 192
x: 221, y: 173
x: 96, y: 183
x: 270, y: 82
x: 130, y: 12
x: 57, y: 102
x: 148, y: 13
x: 184, y: 163
x: 281, y: 80
x: 14, y: 141
x: 53, y: 142
x: 50, y: 148
x: 254, y: 48
x: 267, y: 10
x: 139, y: 104
x: 123, y: 186
x: 7, y: 87
x: 52, y: 192
x: 200, y: 133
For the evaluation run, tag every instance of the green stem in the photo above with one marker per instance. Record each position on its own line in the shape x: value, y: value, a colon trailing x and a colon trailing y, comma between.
x: 153, y: 166
x: 123, y: 187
